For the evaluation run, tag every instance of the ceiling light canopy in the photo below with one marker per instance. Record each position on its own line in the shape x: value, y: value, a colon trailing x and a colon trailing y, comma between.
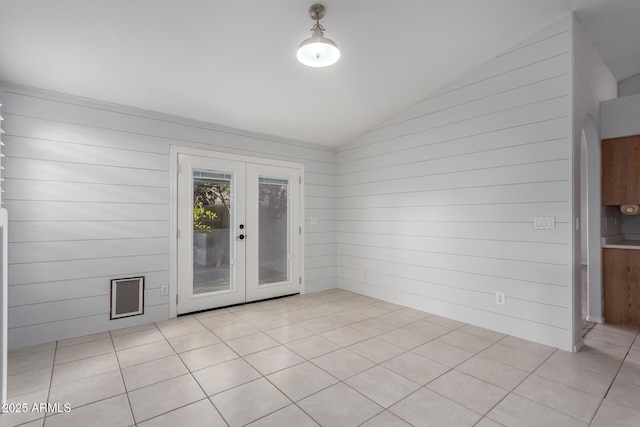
x: 318, y: 51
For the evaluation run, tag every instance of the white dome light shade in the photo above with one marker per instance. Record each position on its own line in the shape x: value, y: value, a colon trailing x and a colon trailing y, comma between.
x: 318, y: 51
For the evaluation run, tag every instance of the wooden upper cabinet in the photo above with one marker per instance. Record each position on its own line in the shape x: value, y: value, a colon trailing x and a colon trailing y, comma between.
x: 621, y: 171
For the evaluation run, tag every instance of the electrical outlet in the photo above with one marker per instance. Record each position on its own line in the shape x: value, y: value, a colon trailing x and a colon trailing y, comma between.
x: 164, y: 290
x: 314, y: 220
x: 500, y: 298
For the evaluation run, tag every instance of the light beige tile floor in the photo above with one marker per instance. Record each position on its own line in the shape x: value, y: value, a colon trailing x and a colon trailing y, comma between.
x: 332, y: 358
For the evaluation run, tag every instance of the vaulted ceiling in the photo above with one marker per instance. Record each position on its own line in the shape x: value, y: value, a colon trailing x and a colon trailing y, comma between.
x: 232, y: 62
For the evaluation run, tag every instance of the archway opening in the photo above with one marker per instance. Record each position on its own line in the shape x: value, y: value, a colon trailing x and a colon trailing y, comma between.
x: 584, y: 235
x: 588, y: 305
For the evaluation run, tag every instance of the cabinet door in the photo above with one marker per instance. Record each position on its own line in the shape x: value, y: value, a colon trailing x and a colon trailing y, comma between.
x: 621, y: 273
x: 620, y: 171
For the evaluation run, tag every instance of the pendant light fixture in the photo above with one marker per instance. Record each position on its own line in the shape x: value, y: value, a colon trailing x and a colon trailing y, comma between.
x: 318, y: 51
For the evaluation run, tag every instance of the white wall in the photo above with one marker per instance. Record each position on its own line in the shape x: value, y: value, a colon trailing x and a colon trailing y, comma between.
x: 4, y: 297
x: 436, y: 205
x: 87, y: 192
x: 629, y: 86
x: 584, y: 253
x: 620, y: 117
x: 592, y: 83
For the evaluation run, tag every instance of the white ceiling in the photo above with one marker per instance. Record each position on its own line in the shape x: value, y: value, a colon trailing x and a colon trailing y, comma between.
x: 232, y: 62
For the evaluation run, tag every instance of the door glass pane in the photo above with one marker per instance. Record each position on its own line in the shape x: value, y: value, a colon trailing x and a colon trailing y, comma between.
x: 273, y: 226
x: 211, y: 231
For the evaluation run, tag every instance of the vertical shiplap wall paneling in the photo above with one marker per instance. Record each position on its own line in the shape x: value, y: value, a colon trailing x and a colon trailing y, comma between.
x: 436, y: 206
x: 87, y: 192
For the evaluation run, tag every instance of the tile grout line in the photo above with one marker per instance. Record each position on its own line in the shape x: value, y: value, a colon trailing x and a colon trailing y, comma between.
x: 339, y: 381
x: 89, y: 403
x: 165, y: 339
x: 380, y: 365
x: 343, y: 347
x: 53, y: 366
x: 206, y: 396
x: 485, y: 415
x: 518, y: 385
x: 124, y: 384
x: 614, y: 378
x: 344, y: 308
x: 262, y: 376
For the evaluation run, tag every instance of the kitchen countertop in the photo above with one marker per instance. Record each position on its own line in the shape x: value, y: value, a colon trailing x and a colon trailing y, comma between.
x: 621, y: 241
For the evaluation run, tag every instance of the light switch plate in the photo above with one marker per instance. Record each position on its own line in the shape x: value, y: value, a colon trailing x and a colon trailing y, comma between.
x: 544, y: 223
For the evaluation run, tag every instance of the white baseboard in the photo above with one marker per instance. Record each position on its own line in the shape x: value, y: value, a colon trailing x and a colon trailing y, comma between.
x: 577, y: 346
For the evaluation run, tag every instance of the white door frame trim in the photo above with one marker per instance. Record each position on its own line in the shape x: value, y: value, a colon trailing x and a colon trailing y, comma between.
x: 174, y: 150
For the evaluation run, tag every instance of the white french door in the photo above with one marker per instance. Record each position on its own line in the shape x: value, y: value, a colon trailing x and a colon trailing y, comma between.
x: 238, y: 232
